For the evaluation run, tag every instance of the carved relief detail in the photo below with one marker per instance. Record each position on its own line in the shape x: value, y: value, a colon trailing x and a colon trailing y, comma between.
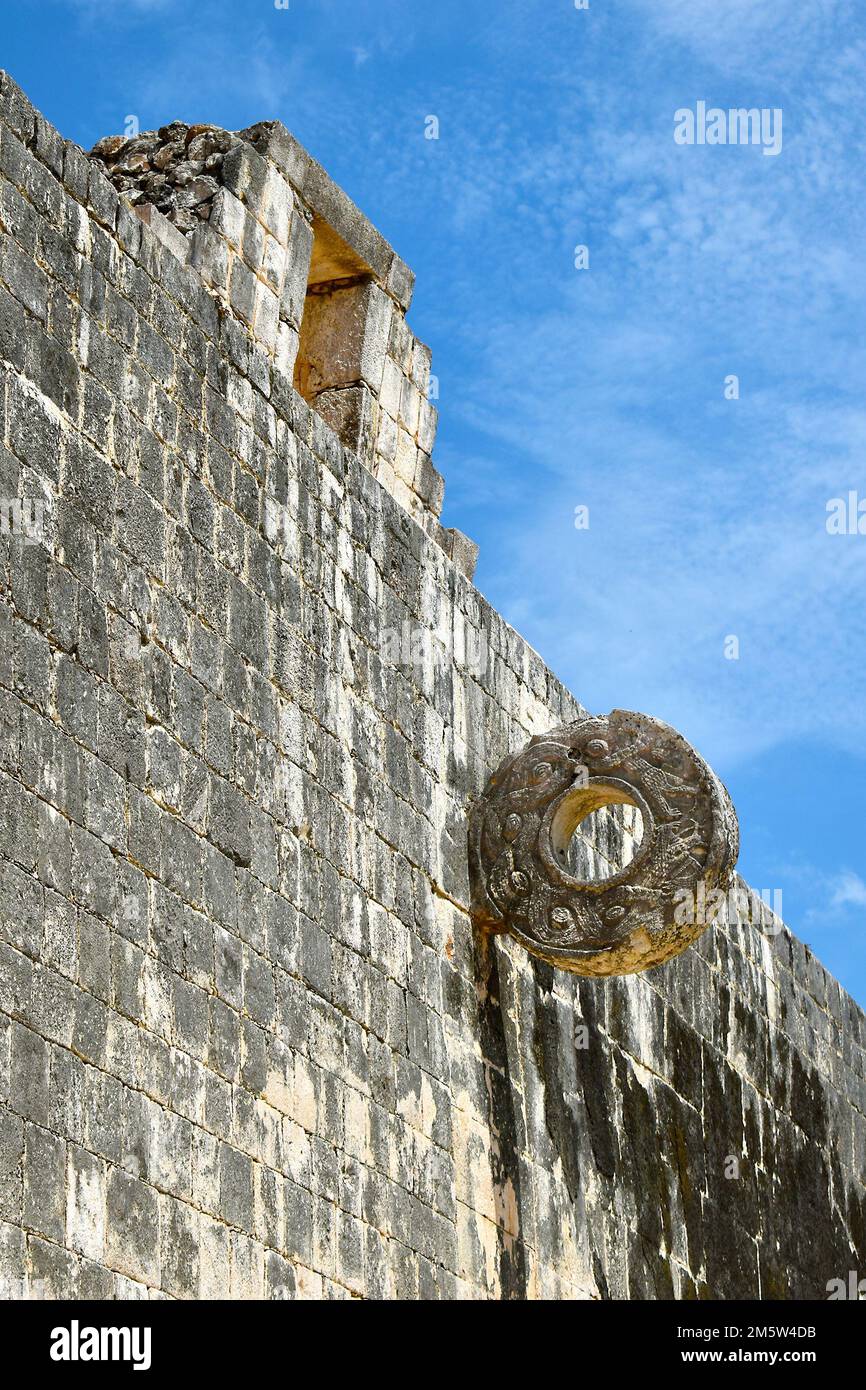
x: 521, y: 827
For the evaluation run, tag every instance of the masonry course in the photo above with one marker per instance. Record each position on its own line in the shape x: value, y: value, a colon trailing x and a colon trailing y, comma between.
x: 249, y: 1043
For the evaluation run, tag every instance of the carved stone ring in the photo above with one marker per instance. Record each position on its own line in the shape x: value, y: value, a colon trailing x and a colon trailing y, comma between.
x: 646, y: 911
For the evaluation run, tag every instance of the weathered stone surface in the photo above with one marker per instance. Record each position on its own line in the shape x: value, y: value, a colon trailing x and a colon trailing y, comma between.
x: 286, y: 252
x: 249, y: 1043
x: 523, y: 824
x: 459, y: 548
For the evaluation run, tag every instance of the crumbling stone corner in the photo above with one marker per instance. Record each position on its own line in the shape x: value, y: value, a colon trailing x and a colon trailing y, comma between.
x: 324, y: 297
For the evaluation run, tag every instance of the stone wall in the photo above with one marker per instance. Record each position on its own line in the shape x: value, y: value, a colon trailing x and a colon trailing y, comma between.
x: 248, y: 1044
x: 318, y: 288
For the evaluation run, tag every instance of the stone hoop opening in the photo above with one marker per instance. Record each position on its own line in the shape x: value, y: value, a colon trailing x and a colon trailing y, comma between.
x: 586, y: 865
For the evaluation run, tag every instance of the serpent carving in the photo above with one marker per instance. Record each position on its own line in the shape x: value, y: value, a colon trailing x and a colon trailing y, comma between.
x: 640, y: 916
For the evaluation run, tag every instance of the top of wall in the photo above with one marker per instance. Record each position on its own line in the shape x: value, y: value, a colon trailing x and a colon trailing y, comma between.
x: 280, y: 249
x: 179, y: 168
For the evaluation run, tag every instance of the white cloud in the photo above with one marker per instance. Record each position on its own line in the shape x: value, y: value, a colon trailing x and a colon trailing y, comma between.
x: 748, y: 34
x: 848, y: 890
x: 119, y: 9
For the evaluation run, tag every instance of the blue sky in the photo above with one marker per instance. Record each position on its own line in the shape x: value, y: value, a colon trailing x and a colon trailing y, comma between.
x: 602, y: 387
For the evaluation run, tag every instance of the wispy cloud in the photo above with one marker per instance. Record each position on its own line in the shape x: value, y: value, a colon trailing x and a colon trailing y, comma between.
x: 738, y: 35
x: 119, y: 12
x: 848, y: 890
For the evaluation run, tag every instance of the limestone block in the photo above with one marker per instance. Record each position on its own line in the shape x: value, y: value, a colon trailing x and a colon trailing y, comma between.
x: 459, y: 548
x: 386, y: 475
x: 427, y: 421
x: 404, y: 495
x: 163, y: 230
x: 410, y: 407
x: 228, y: 217
x: 406, y: 457
x: 401, y: 282
x: 16, y: 112
x: 266, y: 321
x: 253, y: 243
x: 242, y: 290
x: 386, y: 437
x: 276, y: 205
x: 210, y: 255
x: 245, y: 174
x: 329, y: 202
x: 132, y: 1227
x: 272, y: 139
x: 298, y: 254
x: 429, y: 483
x: 85, y: 1203
x: 287, y: 349
x: 273, y: 266
x: 421, y: 362
x: 343, y: 338
x: 400, y: 344
x: 392, y: 386
x: 349, y: 410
